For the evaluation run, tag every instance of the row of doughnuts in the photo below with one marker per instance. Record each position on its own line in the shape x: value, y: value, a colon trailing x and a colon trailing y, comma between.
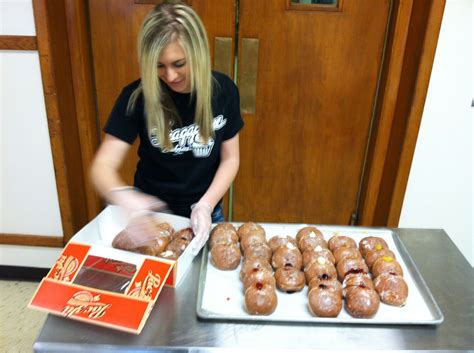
x: 360, y: 298
x: 386, y: 270
x: 163, y: 241
x: 287, y: 262
x: 332, y: 270
x: 324, y: 290
x: 256, y: 272
x: 224, y: 247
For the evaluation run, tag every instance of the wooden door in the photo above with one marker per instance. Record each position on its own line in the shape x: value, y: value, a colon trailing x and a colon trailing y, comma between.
x: 304, y: 147
x: 114, y: 28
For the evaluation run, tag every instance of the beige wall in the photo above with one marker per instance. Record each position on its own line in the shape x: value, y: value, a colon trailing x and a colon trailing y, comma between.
x: 28, y: 196
x: 440, y: 186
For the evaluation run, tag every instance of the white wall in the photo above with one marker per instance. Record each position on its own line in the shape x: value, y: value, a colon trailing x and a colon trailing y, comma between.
x: 440, y: 186
x: 28, y: 196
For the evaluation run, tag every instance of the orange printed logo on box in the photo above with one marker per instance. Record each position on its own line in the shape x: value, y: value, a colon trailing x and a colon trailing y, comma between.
x: 69, y: 262
x: 148, y: 282
x: 83, y: 303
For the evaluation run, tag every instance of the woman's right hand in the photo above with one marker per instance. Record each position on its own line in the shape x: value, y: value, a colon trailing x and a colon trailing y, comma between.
x: 134, y: 202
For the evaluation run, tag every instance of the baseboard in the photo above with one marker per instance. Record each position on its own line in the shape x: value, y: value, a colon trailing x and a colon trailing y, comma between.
x: 20, y: 273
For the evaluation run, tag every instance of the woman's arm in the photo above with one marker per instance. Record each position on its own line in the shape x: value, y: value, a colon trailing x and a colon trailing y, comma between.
x: 228, y: 167
x: 106, y: 164
x: 201, y: 213
x: 106, y: 178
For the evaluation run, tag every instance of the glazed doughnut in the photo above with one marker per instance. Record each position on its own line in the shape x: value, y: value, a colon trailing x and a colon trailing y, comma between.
x: 357, y: 280
x: 225, y: 256
x: 372, y: 255
x: 250, y: 226
x: 159, y: 244
x: 288, y: 255
x: 324, y: 302
x: 259, y: 250
x: 162, y: 229
x: 250, y: 264
x: 223, y: 235
x: 321, y: 268
x: 371, y: 243
x: 177, y: 246
x: 310, y: 230
x: 386, y: 264
x: 346, y: 251
x: 280, y: 240
x: 260, y: 299
x: 125, y: 240
x: 392, y: 289
x: 263, y: 276
x: 289, y: 279
x: 362, y: 302
x: 185, y: 234
x: 310, y: 242
x: 341, y: 240
x: 251, y: 237
x: 330, y: 283
x: 310, y: 256
x: 350, y: 265
x: 223, y: 226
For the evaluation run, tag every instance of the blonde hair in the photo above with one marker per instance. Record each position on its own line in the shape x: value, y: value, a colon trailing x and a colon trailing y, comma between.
x: 166, y: 22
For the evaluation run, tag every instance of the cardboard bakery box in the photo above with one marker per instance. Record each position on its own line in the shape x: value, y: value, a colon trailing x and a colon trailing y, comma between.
x: 93, y: 282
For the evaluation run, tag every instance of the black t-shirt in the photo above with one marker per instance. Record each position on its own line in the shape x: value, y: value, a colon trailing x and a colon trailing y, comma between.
x: 182, y: 175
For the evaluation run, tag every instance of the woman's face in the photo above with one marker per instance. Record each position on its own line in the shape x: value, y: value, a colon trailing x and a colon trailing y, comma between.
x: 173, y: 68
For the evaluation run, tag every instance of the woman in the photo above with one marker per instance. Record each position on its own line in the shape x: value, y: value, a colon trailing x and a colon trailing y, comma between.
x: 188, y: 120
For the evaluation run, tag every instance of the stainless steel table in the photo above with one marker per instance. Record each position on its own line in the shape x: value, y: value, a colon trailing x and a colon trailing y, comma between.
x: 173, y: 325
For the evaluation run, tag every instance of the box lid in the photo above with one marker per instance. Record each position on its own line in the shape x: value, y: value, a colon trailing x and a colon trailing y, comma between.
x: 93, y: 283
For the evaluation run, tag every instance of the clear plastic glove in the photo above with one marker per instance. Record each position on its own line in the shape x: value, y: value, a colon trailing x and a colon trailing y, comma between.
x: 201, y: 224
x: 134, y: 202
x: 140, y: 231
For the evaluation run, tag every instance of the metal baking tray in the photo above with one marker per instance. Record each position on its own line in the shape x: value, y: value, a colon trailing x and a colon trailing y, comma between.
x: 221, y: 295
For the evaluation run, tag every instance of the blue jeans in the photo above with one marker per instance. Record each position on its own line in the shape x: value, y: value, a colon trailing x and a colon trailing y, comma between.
x: 217, y: 215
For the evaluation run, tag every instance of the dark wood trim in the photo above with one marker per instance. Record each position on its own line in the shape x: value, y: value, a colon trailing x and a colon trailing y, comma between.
x: 60, y: 105
x: 385, y: 108
x: 415, y: 105
x: 400, y: 107
x: 31, y: 240
x: 18, y: 43
x: 83, y: 83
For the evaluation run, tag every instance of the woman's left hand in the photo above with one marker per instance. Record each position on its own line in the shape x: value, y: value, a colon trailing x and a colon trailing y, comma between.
x: 201, y: 224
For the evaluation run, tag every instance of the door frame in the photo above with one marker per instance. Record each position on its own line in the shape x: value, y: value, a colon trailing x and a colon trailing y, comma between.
x: 64, y: 45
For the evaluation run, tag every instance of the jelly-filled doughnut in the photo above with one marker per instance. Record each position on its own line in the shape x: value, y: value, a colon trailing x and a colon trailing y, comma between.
x: 260, y: 299
x: 362, y: 302
x: 289, y: 279
x: 324, y: 302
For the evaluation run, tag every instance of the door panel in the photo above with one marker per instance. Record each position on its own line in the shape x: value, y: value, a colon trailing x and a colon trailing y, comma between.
x: 114, y: 27
x: 302, y: 152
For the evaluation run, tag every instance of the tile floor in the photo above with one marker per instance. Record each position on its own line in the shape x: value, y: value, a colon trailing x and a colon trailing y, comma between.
x: 19, y: 326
